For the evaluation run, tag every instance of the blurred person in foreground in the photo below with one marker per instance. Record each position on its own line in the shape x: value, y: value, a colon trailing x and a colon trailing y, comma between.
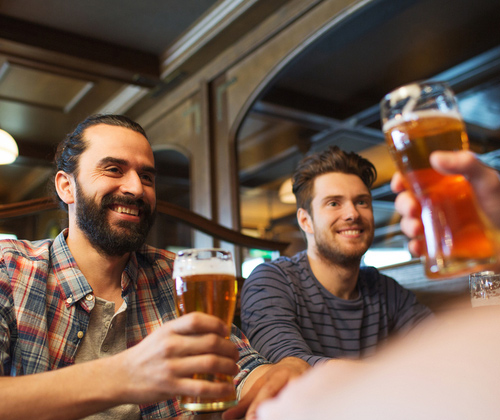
x: 320, y: 305
x: 446, y: 368
x: 88, y: 320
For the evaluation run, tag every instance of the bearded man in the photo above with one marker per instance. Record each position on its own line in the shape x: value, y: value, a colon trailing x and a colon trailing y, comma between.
x: 320, y: 304
x: 88, y: 324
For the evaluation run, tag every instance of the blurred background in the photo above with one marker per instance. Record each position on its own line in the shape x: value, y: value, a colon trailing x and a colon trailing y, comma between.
x: 234, y: 93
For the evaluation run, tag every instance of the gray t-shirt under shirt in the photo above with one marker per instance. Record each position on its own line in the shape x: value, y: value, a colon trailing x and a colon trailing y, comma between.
x: 105, y: 337
x: 285, y: 311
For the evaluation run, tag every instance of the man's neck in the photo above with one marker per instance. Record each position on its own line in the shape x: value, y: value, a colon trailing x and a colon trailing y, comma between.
x: 339, y: 280
x: 102, y: 271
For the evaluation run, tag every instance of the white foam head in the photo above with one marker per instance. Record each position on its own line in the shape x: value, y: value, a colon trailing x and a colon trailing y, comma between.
x: 418, y: 115
x: 203, y: 261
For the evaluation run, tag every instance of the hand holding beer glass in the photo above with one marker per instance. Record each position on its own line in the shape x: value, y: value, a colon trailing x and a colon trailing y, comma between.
x: 418, y: 119
x: 205, y: 281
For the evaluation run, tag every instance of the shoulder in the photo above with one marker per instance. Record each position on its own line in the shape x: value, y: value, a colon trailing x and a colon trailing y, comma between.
x: 22, y: 260
x: 284, y: 270
x: 285, y: 264
x: 372, y: 275
x: 15, y: 249
x: 376, y: 281
x: 152, y: 254
x: 158, y: 259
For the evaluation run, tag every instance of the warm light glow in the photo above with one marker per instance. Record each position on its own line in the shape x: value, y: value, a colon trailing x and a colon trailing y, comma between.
x: 8, y: 148
x: 285, y: 192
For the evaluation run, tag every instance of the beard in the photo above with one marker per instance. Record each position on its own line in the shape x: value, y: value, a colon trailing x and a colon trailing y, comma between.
x: 124, y: 237
x: 333, y: 253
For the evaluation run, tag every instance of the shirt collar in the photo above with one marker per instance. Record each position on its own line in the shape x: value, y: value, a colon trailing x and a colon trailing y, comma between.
x: 130, y: 274
x: 73, y: 283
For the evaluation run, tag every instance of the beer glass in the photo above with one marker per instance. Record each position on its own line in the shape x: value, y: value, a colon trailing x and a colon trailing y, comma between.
x: 205, y: 281
x: 418, y: 119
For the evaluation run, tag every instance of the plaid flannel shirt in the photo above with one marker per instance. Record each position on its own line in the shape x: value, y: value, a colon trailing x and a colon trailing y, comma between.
x: 44, y: 312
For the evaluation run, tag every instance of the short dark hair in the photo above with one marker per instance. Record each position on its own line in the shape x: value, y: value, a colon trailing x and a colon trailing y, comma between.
x: 68, y: 152
x: 332, y: 159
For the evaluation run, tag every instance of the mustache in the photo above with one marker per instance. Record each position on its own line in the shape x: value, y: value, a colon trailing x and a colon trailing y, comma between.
x: 107, y: 200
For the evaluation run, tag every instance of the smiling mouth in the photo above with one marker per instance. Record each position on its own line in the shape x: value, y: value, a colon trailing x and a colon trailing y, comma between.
x: 351, y: 232
x: 125, y: 210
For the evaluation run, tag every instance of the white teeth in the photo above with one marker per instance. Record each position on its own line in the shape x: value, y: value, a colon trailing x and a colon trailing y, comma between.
x: 351, y: 232
x: 127, y: 210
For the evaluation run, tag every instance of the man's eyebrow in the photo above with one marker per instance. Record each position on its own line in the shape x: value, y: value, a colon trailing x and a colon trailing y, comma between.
x: 109, y: 159
x: 341, y: 197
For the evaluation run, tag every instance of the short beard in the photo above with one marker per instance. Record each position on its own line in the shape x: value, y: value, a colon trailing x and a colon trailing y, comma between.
x: 333, y: 256
x: 125, y: 237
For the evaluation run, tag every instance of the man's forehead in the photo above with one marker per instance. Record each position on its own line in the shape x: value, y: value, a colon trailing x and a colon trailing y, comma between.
x: 338, y: 183
x: 102, y: 139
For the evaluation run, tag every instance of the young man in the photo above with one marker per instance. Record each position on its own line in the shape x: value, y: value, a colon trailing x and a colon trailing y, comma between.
x: 438, y: 364
x: 319, y: 304
x: 87, y: 321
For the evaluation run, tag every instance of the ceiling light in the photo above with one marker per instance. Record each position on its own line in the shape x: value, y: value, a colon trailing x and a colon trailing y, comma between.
x: 8, y: 148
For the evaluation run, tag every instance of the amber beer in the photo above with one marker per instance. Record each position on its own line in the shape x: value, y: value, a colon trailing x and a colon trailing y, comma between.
x: 458, y: 236
x: 205, y: 281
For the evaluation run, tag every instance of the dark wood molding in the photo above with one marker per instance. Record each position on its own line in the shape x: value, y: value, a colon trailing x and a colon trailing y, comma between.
x: 177, y: 213
x: 47, y: 46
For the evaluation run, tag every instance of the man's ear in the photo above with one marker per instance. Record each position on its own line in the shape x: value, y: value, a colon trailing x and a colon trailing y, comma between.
x: 65, y: 187
x: 305, y: 221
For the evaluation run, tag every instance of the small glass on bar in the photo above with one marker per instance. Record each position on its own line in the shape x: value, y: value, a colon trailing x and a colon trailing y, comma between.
x: 205, y: 281
x: 484, y: 288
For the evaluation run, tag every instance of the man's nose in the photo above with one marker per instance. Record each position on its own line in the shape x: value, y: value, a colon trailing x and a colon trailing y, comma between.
x: 350, y: 211
x: 132, y: 185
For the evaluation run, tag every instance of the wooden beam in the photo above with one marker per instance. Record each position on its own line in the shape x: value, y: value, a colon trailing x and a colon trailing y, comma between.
x: 53, y: 47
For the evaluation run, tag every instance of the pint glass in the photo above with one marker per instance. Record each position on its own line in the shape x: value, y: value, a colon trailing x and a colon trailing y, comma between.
x: 418, y: 119
x: 205, y: 281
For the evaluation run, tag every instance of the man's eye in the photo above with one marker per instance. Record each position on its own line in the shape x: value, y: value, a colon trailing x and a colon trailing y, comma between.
x: 148, y: 178
x: 113, y: 169
x: 333, y: 204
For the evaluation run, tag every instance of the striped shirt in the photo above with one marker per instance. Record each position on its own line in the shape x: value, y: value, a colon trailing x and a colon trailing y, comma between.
x: 286, y: 311
x: 45, y: 305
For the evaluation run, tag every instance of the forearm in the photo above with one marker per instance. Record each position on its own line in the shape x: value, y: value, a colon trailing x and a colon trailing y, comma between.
x: 263, y: 383
x: 68, y: 393
x: 293, y: 364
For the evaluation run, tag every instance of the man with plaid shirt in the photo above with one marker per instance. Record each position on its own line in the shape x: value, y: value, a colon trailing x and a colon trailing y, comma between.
x: 88, y: 325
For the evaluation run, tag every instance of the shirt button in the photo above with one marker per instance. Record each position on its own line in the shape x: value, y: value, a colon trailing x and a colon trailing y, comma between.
x: 89, y: 297
x: 69, y: 300
x: 80, y: 334
x: 105, y: 348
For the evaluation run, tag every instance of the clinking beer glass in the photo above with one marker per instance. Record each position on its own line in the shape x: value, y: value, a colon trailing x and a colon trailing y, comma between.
x: 418, y: 119
x: 205, y: 281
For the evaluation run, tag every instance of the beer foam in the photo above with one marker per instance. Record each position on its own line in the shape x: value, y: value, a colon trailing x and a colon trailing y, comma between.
x: 416, y: 115
x: 188, y: 265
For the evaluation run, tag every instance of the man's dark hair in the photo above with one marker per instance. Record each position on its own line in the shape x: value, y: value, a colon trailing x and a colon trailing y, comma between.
x: 332, y: 159
x: 69, y: 150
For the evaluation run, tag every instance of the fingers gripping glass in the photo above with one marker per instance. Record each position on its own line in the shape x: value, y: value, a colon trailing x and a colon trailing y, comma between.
x: 205, y: 281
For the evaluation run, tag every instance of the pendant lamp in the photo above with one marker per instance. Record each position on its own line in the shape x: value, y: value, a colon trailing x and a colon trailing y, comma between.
x: 8, y: 148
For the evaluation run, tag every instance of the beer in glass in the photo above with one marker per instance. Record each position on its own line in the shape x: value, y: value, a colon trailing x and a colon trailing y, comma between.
x: 205, y: 281
x: 418, y: 119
